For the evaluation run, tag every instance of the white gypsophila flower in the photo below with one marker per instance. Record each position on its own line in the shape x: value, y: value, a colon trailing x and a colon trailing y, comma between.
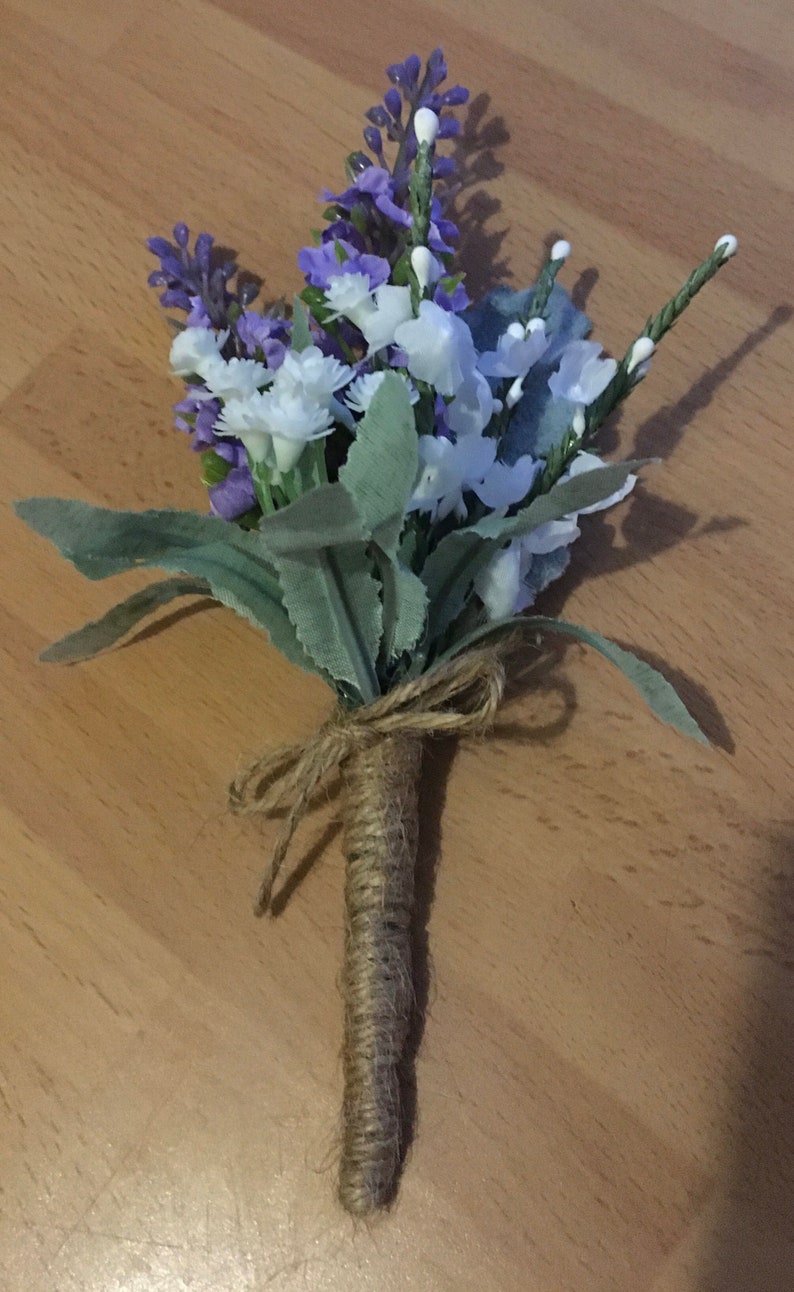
x: 426, y: 124
x: 447, y: 469
x: 473, y: 406
x: 275, y: 426
x: 506, y: 484
x: 349, y: 296
x: 582, y: 375
x: 439, y: 347
x: 517, y: 350
x: 246, y: 419
x: 234, y: 378
x: 193, y: 347
x: 360, y: 393
x: 590, y: 462
x: 311, y: 373
x: 293, y: 420
x: 499, y: 585
x: 392, y: 307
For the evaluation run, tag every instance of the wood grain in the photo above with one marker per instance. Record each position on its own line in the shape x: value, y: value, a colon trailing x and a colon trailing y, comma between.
x: 605, y: 1080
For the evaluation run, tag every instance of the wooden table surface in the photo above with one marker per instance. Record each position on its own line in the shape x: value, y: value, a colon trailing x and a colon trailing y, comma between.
x: 606, y: 1077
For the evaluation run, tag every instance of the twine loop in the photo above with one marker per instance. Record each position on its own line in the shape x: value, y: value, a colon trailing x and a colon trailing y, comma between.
x: 459, y: 697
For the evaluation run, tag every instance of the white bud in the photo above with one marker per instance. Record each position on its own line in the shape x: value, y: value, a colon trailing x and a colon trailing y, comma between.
x: 425, y: 266
x: 641, y: 351
x: 516, y: 330
x: 514, y: 393
x: 728, y: 245
x: 561, y: 250
x: 426, y: 126
x: 578, y: 423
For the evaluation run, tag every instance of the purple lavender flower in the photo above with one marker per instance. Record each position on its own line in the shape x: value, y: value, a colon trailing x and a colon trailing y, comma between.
x: 456, y: 302
x: 319, y: 264
x: 190, y: 280
x: 235, y: 495
x: 376, y: 183
x: 261, y: 332
x: 197, y: 414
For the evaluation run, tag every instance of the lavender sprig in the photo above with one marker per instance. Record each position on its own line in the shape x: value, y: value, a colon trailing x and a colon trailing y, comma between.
x: 193, y: 283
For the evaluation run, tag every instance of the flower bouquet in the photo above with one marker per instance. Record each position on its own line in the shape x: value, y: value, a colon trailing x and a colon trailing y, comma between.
x: 394, y: 475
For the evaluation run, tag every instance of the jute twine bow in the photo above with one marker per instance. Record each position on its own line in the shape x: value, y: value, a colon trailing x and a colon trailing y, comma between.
x: 460, y: 697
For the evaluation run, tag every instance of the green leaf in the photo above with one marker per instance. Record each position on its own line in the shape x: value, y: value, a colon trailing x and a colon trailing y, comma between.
x: 301, y: 337
x: 319, y: 547
x: 657, y: 692
x: 461, y: 555
x: 387, y: 435
x: 99, y: 634
x: 562, y: 499
x: 382, y: 463
x: 214, y: 468
x: 100, y: 543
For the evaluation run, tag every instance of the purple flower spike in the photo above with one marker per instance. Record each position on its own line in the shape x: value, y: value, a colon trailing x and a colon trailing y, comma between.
x: 374, y: 140
x: 455, y: 96
x: 378, y: 116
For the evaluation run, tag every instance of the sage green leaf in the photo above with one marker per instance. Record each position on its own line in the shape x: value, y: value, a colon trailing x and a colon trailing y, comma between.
x: 325, y: 517
x: 300, y: 336
x: 382, y: 463
x: 461, y: 555
x: 657, y: 692
x: 562, y: 499
x: 99, y: 634
x: 100, y: 543
x: 333, y: 603
x: 380, y: 474
x: 319, y: 548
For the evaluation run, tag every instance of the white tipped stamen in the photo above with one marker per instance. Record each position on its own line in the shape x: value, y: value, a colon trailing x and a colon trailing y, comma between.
x: 426, y: 126
x: 728, y: 245
x: 641, y: 352
x: 425, y: 266
x: 561, y: 250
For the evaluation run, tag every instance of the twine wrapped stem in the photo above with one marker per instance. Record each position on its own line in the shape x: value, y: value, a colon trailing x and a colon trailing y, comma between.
x: 378, y: 749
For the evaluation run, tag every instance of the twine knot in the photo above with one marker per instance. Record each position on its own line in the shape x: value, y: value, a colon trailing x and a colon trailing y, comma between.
x: 459, y: 697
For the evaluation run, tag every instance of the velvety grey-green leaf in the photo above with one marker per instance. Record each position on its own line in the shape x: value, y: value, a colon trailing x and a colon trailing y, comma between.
x: 100, y: 543
x: 332, y: 600
x: 382, y: 463
x: 99, y: 634
x: 657, y: 692
x: 325, y: 517
x: 300, y: 336
x: 461, y: 555
x: 448, y: 574
x: 404, y: 608
x: 562, y: 499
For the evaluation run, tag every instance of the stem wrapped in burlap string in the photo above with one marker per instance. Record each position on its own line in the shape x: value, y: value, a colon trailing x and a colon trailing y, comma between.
x: 378, y: 749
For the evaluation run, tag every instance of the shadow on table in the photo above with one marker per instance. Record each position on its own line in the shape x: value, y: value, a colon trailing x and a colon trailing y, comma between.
x: 752, y: 1248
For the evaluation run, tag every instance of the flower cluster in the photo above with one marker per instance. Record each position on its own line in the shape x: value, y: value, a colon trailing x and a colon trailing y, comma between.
x: 506, y: 397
